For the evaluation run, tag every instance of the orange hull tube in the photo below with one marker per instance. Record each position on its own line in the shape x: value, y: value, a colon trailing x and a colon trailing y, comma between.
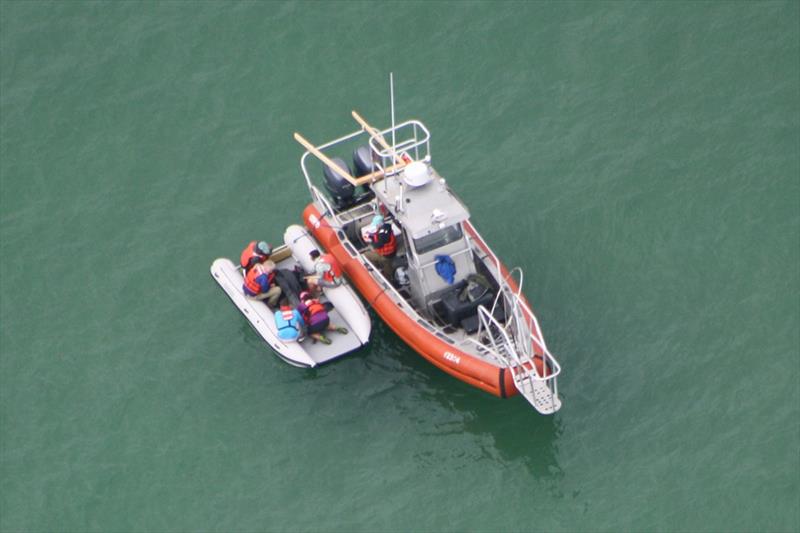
x: 469, y: 369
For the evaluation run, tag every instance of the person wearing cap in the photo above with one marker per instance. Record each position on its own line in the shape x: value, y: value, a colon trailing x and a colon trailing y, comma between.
x: 327, y: 272
x: 384, y: 245
x: 259, y: 283
x: 315, y: 316
x: 254, y: 253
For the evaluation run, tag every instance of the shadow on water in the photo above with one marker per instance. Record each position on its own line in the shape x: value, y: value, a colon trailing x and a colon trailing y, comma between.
x: 397, y: 382
x: 519, y: 435
x: 509, y: 431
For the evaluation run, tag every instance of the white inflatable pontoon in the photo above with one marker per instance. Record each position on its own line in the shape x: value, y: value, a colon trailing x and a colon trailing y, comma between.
x: 348, y: 311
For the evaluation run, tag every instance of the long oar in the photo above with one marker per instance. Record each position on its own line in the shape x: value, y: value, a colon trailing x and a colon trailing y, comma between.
x: 325, y: 159
x: 377, y: 135
x: 369, y: 178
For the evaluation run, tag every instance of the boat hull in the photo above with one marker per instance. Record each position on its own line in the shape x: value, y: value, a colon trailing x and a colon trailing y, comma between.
x: 494, y: 379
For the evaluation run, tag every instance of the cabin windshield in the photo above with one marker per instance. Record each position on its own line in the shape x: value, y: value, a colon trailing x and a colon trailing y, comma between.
x: 438, y: 239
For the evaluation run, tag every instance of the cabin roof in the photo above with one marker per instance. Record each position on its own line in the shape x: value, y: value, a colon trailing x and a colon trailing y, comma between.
x: 417, y: 214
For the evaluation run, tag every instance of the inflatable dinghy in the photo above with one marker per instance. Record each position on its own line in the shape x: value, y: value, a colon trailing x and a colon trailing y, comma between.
x: 346, y: 308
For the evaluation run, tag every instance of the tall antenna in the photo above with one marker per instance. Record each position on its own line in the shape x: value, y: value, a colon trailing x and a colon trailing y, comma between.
x: 391, y: 103
x: 391, y: 109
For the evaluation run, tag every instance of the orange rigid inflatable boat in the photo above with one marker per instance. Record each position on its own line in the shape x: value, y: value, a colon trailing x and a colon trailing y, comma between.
x: 444, y: 292
x: 476, y: 372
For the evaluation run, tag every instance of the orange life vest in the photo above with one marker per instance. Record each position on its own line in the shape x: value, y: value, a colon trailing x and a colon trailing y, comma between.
x: 252, y: 255
x: 334, y: 272
x: 313, y: 307
x: 390, y: 247
x: 250, y: 279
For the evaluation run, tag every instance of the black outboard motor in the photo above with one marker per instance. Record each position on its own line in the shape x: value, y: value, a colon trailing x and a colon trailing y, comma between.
x: 362, y: 158
x: 341, y: 190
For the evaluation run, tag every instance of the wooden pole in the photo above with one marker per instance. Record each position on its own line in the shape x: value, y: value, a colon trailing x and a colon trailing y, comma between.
x: 378, y: 174
x: 325, y: 159
x: 368, y: 178
x: 377, y: 134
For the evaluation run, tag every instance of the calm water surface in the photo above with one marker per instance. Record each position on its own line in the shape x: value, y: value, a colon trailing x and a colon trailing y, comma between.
x: 641, y: 162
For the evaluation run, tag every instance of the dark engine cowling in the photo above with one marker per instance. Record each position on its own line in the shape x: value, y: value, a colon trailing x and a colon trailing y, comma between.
x: 340, y: 189
x: 362, y: 158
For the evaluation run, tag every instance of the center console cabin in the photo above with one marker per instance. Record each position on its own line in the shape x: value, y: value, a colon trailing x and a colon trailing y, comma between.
x: 427, y: 220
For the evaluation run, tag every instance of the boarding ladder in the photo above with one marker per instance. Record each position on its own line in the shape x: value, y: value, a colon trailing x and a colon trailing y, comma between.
x: 514, y: 345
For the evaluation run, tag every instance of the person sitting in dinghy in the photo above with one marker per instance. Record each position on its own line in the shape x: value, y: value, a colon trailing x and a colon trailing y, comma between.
x: 384, y: 245
x: 289, y: 322
x: 327, y: 272
x: 254, y: 253
x: 315, y: 315
x: 259, y: 283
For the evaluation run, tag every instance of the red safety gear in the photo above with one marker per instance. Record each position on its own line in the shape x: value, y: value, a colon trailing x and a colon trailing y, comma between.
x: 251, y: 255
x: 385, y: 235
x: 251, y: 281
x: 313, y: 307
x: 334, y: 272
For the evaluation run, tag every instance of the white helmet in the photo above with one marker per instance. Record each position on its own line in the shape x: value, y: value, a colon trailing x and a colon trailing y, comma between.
x: 401, y: 276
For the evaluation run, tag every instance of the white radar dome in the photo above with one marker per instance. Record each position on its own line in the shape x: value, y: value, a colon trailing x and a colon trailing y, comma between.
x: 416, y: 174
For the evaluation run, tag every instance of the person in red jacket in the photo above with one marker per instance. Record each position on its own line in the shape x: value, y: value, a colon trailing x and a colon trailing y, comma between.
x: 254, y: 253
x: 259, y: 283
x: 327, y: 272
x: 384, y: 245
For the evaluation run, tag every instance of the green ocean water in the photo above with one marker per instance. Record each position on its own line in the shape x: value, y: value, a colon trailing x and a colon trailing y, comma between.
x: 639, y: 160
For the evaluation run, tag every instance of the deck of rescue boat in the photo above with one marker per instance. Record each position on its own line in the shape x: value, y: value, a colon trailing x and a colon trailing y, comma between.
x: 474, y: 342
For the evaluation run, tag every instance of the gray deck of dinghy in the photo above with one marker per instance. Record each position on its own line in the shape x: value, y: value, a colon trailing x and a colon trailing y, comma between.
x: 261, y: 318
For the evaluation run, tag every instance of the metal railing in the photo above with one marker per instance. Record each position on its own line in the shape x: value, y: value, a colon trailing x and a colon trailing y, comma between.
x: 418, y: 141
x: 304, y: 157
x: 414, y: 137
x: 518, y: 305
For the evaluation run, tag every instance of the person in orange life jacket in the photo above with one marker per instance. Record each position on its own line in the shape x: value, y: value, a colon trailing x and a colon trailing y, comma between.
x: 259, y: 283
x: 289, y: 322
x: 384, y: 245
x: 254, y: 253
x: 316, y: 318
x: 327, y: 272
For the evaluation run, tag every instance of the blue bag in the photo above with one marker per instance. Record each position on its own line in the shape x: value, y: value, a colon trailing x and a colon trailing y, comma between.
x: 446, y: 268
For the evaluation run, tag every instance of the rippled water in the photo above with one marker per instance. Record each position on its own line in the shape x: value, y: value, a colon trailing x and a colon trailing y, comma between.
x: 641, y: 162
